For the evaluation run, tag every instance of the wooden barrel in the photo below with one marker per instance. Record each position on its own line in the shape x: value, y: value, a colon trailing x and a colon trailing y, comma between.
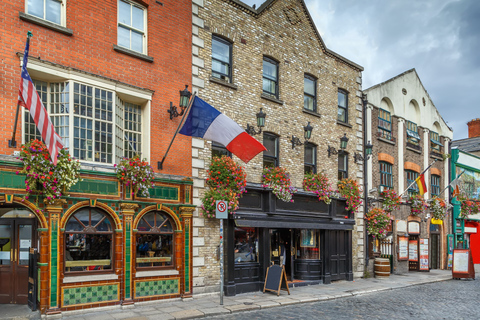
x: 382, y: 267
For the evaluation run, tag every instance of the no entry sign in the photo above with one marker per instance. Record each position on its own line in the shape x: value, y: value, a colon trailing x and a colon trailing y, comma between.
x: 222, y: 209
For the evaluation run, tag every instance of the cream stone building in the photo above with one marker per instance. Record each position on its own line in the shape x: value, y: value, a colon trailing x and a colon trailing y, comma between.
x: 273, y: 59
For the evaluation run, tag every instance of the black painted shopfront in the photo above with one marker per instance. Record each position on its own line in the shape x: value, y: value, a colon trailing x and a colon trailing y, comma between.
x: 311, y: 239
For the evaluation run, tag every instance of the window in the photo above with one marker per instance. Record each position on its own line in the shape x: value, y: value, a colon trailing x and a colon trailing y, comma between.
x: 270, y: 77
x: 342, y: 165
x: 384, y: 124
x: 221, y: 59
x: 101, y: 127
x: 132, y: 26
x: 310, y: 93
x: 412, y: 133
x: 435, y: 182
x: 89, y: 241
x: 246, y: 245
x: 310, y: 158
x: 342, y: 106
x: 154, y: 241
x: 50, y: 10
x: 435, y: 142
x: 219, y: 150
x: 270, y: 156
x: 411, y: 177
x: 386, y: 177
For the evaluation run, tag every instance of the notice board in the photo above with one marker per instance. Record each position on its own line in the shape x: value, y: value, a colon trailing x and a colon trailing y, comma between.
x: 462, y: 264
x: 413, y: 250
x: 424, y: 259
x: 276, y: 279
x: 402, y: 248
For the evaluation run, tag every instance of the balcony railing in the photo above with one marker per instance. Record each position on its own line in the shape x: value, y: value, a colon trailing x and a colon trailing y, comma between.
x: 386, y: 135
x: 414, y: 146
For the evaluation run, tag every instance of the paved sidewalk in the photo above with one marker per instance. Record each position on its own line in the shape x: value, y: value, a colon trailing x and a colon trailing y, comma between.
x: 205, y: 306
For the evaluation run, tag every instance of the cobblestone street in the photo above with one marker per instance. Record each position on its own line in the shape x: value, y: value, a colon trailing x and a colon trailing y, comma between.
x: 454, y: 299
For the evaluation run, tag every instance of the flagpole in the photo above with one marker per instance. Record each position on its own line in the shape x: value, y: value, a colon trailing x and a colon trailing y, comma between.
x: 415, y: 181
x: 12, y: 143
x: 451, y: 183
x: 160, y: 163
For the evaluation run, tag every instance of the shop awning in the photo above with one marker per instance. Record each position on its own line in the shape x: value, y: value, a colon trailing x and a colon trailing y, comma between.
x: 413, y: 134
x: 292, y: 224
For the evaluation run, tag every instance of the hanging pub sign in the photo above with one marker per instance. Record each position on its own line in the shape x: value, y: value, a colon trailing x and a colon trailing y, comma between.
x: 402, y: 248
x: 413, y: 227
x: 413, y: 250
x: 462, y: 264
x: 424, y: 261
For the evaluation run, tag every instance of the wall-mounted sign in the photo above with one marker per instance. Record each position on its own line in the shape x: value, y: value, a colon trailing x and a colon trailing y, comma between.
x: 413, y: 227
x: 401, y: 226
x: 413, y: 250
x: 402, y: 248
x: 424, y: 255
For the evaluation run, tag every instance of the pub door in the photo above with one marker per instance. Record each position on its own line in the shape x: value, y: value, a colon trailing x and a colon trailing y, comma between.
x: 338, y: 254
x: 16, y: 239
x: 435, y: 251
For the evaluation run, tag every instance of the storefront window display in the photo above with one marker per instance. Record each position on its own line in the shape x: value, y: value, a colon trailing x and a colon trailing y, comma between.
x: 154, y: 241
x: 308, y: 244
x: 246, y: 245
x: 88, y: 241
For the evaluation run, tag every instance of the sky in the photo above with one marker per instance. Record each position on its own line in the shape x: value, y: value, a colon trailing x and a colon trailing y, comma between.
x: 439, y: 38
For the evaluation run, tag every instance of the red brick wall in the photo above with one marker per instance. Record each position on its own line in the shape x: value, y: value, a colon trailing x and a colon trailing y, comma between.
x: 90, y: 49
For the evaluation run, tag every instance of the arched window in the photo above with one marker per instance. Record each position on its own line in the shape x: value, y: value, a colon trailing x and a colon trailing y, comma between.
x: 89, y: 241
x: 154, y: 241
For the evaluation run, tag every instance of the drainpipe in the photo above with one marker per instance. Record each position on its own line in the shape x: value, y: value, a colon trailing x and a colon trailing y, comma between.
x: 365, y: 177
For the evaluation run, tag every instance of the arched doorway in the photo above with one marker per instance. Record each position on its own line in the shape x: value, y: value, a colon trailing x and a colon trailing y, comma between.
x: 18, y: 226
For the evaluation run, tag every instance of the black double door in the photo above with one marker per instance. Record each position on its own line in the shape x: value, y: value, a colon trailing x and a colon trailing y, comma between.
x: 338, y: 254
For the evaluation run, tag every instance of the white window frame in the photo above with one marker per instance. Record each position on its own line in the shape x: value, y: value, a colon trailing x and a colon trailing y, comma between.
x: 63, y: 12
x: 40, y: 71
x: 145, y: 24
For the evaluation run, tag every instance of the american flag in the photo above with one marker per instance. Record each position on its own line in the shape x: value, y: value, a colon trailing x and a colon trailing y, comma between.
x: 28, y: 97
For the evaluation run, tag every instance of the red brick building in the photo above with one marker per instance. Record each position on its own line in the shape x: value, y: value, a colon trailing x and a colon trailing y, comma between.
x: 106, y: 72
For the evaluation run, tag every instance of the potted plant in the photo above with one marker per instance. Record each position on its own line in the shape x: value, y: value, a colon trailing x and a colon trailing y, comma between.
x: 137, y: 174
x: 278, y: 179
x: 417, y: 205
x: 319, y: 184
x: 350, y: 190
x: 438, y: 208
x: 226, y: 181
x: 45, y: 178
x: 378, y: 222
x: 391, y: 200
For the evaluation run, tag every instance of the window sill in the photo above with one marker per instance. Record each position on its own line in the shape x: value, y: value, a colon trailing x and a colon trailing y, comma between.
x: 156, y: 273
x: 386, y: 141
x: 313, y: 113
x: 344, y: 124
x: 414, y: 150
x: 223, y: 83
x: 44, y: 23
x: 271, y: 98
x: 88, y: 278
x: 133, y: 53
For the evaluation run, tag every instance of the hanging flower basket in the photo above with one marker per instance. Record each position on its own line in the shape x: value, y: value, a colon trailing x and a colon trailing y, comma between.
x: 349, y: 189
x: 278, y: 179
x: 378, y: 222
x: 227, y: 181
x: 391, y: 200
x: 136, y: 174
x: 438, y: 208
x: 319, y: 184
x: 43, y: 177
x: 467, y: 206
x: 417, y: 205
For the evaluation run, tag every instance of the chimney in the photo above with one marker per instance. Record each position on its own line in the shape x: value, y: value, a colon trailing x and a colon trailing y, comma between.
x: 474, y: 128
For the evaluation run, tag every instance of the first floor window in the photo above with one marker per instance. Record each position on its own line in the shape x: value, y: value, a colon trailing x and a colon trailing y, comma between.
x: 246, y: 245
x: 342, y: 114
x: 154, y: 241
x: 95, y: 124
x: 270, y: 77
x: 386, y: 176
x: 270, y: 156
x: 435, y: 182
x: 411, y: 177
x: 50, y: 10
x: 131, y: 26
x: 310, y: 158
x: 219, y: 150
x: 89, y: 241
x: 221, y: 59
x: 342, y: 166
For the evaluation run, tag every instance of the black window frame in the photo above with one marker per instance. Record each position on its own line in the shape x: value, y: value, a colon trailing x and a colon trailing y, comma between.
x: 228, y: 78
x: 219, y: 150
x: 343, y: 174
x: 276, y: 64
x: 309, y: 95
x: 275, y: 158
x: 386, y: 174
x: 313, y: 164
x: 344, y: 92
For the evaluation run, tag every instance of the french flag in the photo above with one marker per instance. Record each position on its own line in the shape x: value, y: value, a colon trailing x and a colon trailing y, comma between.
x: 204, y: 121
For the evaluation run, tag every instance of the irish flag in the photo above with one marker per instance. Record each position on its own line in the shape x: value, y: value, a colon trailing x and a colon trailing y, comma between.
x: 422, y: 187
x: 204, y: 121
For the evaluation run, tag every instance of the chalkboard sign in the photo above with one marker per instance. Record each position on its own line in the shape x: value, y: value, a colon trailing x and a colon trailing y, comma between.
x: 462, y: 264
x: 276, y: 279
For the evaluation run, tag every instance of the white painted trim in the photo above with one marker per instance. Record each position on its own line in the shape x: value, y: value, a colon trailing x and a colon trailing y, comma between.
x: 156, y: 273
x: 89, y: 278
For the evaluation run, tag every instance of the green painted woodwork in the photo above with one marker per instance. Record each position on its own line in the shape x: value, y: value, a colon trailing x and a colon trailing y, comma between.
x: 128, y: 260
x: 11, y: 180
x: 164, y: 193
x: 187, y: 258
x: 90, y: 294
x: 53, y: 264
x: 94, y: 186
x: 156, y: 288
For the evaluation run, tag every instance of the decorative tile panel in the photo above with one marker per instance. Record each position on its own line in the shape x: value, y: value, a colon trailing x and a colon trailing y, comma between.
x: 10, y: 180
x: 156, y: 288
x: 74, y: 296
x: 164, y: 193
x: 94, y: 186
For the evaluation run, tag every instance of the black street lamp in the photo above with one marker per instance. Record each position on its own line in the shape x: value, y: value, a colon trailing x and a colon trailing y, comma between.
x: 260, y: 124
x: 307, y: 134
x: 184, y: 99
